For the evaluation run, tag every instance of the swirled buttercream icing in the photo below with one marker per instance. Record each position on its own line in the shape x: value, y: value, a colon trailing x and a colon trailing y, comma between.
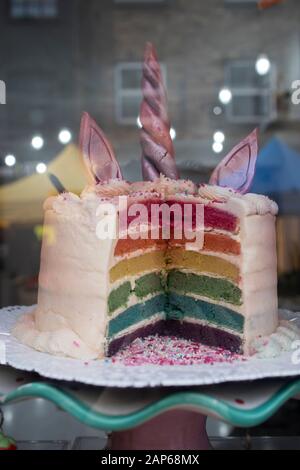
x: 170, y: 187
x: 280, y: 341
x: 261, y: 204
x: 114, y: 187
x: 62, y: 203
x: 215, y: 193
x: 144, y: 186
x: 165, y: 186
x: 253, y: 203
x: 109, y: 189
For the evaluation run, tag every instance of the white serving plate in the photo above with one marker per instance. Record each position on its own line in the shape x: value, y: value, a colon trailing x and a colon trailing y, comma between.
x: 104, y: 373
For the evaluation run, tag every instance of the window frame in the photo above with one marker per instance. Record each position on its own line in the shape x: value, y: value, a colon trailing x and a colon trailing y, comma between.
x: 140, y: 2
x: 267, y: 92
x: 121, y: 92
x: 31, y: 18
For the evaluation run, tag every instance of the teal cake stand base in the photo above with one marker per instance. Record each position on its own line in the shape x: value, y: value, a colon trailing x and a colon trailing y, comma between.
x: 154, y: 418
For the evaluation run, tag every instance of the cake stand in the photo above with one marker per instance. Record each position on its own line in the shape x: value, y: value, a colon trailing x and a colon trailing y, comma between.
x: 151, y: 407
x: 157, y: 418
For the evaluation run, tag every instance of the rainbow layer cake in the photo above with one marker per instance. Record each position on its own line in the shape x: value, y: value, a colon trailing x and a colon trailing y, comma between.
x: 162, y: 256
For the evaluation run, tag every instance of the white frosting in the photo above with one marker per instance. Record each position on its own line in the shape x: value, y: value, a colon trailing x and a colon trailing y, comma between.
x: 144, y: 186
x: 71, y: 205
x: 168, y: 187
x: 280, y: 341
x: 251, y: 203
x: 215, y: 193
x: 60, y: 342
x: 73, y: 282
x: 164, y: 186
x: 261, y: 205
x: 113, y: 188
x: 71, y: 317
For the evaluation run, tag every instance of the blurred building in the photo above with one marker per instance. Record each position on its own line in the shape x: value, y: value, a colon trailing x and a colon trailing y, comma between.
x: 59, y: 58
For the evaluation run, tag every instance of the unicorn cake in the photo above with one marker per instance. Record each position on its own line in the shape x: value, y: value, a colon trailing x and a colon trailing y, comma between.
x: 162, y: 256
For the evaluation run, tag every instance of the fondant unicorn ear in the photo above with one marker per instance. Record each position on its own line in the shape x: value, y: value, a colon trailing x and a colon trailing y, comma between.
x: 98, y: 155
x: 157, y: 146
x: 237, y: 169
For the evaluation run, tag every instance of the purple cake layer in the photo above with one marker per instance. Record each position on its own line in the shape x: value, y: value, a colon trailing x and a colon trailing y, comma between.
x: 204, y: 334
x: 119, y: 343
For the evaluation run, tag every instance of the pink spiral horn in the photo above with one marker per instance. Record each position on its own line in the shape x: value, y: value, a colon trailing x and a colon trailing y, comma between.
x: 157, y: 147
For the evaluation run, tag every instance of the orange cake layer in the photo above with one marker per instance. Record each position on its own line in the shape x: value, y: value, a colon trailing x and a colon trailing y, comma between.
x: 128, y: 245
x: 212, y: 242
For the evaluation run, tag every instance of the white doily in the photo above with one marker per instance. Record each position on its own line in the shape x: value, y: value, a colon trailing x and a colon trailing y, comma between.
x: 104, y: 373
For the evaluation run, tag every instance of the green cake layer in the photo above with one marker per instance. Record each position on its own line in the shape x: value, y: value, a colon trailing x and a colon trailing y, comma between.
x: 149, y: 284
x: 119, y: 297
x: 136, y: 314
x: 177, y: 307
x: 176, y: 281
x: 145, y: 285
x: 213, y: 288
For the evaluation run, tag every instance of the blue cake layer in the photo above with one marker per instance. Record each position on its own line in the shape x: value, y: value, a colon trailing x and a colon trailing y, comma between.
x: 182, y: 306
x: 177, y: 307
x: 136, y: 314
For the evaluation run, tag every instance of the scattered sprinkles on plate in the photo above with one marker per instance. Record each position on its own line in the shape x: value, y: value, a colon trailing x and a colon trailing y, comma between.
x: 169, y: 350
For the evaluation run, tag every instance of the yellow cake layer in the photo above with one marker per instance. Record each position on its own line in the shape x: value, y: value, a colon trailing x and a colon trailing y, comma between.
x: 133, y: 266
x: 201, y: 263
x: 174, y: 258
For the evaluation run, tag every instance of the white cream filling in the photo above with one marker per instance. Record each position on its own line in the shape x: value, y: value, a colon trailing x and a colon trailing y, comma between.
x: 197, y: 321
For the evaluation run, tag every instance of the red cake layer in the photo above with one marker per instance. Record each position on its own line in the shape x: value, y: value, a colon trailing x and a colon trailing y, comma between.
x: 213, y: 217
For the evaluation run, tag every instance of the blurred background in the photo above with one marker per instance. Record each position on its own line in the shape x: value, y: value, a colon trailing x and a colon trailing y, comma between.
x: 229, y: 66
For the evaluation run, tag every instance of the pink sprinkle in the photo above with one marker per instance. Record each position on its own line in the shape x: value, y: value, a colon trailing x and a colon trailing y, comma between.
x: 160, y: 350
x: 239, y: 401
x: 86, y: 363
x: 76, y: 344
